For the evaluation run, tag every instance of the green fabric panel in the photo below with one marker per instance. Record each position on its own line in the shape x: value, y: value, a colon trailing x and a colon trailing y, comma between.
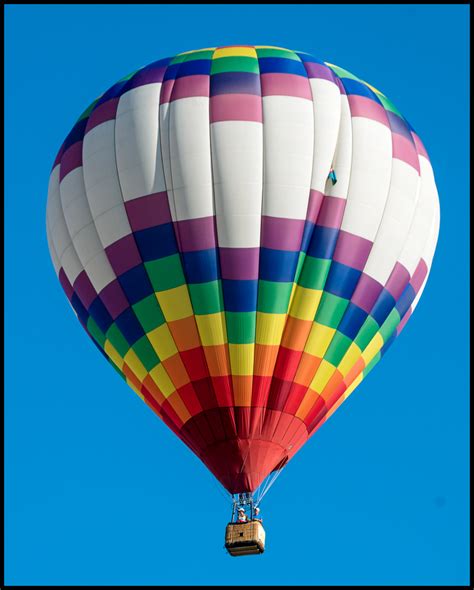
x: 390, y: 324
x: 235, y: 64
x: 116, y: 368
x: 149, y: 313
x: 367, y: 331
x: 372, y: 364
x: 271, y: 52
x: 341, y: 72
x: 144, y: 351
x: 388, y: 104
x: 240, y: 327
x: 165, y: 273
x: 273, y: 297
x: 338, y: 348
x: 201, y: 54
x: 88, y: 111
x: 314, y: 273
x: 206, y: 297
x: 299, y: 267
x: 117, y: 340
x: 96, y: 332
x: 331, y: 309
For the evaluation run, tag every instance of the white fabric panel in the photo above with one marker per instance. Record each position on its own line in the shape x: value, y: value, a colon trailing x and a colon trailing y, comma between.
x: 425, y: 213
x: 343, y: 154
x: 77, y: 214
x: 112, y: 225
x: 71, y: 264
x: 190, y: 152
x: 430, y: 246
x: 87, y: 243
x: 100, y: 169
x: 327, y: 115
x: 52, y: 250
x: 60, y: 238
x: 370, y: 177
x: 164, y: 131
x: 99, y: 271
x: 396, y: 221
x: 53, y: 210
x: 237, y: 166
x: 288, y: 137
x: 72, y: 187
x: 137, y: 142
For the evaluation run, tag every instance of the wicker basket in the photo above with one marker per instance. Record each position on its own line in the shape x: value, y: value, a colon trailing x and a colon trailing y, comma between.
x: 246, y: 538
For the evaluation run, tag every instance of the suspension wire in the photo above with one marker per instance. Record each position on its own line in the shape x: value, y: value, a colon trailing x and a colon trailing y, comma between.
x: 275, y: 477
x: 224, y: 493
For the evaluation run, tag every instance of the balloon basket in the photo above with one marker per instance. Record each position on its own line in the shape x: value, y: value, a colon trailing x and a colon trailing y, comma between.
x: 246, y: 538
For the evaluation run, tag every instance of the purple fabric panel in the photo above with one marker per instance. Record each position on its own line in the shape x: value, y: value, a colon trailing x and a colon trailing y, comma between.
x: 114, y: 299
x: 148, y: 211
x: 282, y: 234
x: 352, y: 250
x: 148, y: 76
x: 419, y: 275
x: 239, y: 263
x: 365, y: 107
x: 340, y: 85
x: 405, y: 150
x: 196, y: 234
x: 285, y: 85
x: 123, y: 254
x: 331, y: 212
x: 84, y: 289
x: 366, y: 293
x: 419, y: 146
x: 397, y: 281
x: 58, y: 157
x: 104, y: 112
x: 236, y: 107
x: 72, y: 159
x: 184, y: 87
x: 397, y: 125
x: 65, y: 284
x: 315, y: 70
x: 403, y: 321
x: 235, y: 83
x: 314, y: 205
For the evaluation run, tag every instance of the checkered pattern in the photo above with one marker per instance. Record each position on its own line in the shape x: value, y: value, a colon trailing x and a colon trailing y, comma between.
x: 201, y: 243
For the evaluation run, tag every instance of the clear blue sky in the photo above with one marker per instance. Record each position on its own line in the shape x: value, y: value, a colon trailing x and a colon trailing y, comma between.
x: 98, y: 490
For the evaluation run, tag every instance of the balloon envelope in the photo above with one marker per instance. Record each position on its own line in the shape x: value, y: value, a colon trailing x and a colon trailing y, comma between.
x: 243, y: 232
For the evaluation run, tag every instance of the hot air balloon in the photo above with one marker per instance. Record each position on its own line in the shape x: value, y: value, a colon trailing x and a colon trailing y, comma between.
x: 243, y: 232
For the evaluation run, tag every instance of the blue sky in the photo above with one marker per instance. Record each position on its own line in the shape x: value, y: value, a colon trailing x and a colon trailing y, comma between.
x: 98, y: 490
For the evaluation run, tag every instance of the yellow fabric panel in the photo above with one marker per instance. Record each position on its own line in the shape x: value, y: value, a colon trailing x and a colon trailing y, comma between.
x: 241, y: 358
x: 113, y: 354
x: 305, y: 303
x: 270, y: 327
x: 372, y: 348
x: 132, y: 386
x: 175, y: 303
x: 323, y: 374
x: 349, y: 359
x: 234, y: 52
x: 135, y: 364
x: 212, y: 329
x: 162, y: 342
x: 319, y: 339
x: 162, y: 380
x: 353, y: 385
